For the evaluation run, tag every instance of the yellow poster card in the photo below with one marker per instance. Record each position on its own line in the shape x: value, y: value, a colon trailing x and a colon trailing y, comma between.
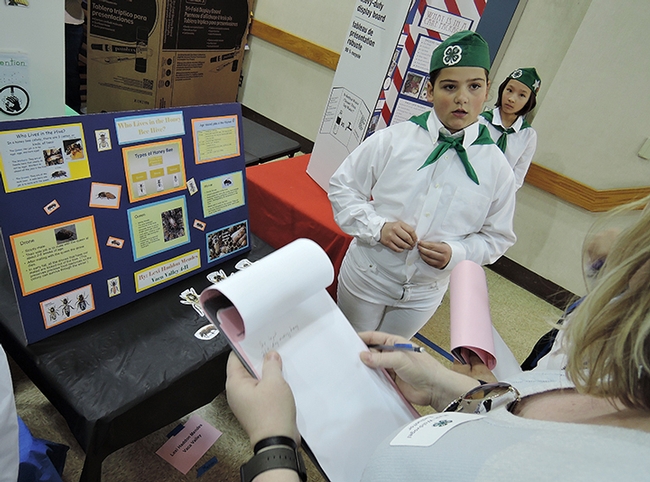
x: 154, y: 169
x: 55, y: 254
x: 43, y: 156
x: 219, y: 194
x: 167, y: 270
x: 215, y: 138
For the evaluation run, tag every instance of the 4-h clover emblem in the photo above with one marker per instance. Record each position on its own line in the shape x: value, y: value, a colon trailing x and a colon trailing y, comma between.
x: 516, y: 74
x: 452, y: 55
x: 442, y: 423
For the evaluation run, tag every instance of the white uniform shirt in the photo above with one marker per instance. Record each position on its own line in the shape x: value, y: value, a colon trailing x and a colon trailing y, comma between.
x: 380, y: 182
x: 521, y: 144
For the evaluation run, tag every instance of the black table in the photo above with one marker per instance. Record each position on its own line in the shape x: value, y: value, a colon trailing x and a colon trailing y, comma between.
x: 127, y: 373
x: 262, y: 144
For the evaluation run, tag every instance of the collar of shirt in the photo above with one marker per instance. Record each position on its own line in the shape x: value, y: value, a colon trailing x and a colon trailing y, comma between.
x: 496, y: 120
x: 456, y: 135
x: 469, y: 133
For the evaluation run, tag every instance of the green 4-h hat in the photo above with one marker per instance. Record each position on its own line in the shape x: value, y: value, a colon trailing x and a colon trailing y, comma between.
x: 527, y: 76
x: 462, y: 49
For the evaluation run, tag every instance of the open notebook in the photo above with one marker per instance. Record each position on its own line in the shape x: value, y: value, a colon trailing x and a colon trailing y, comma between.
x: 344, y: 408
x: 471, y: 323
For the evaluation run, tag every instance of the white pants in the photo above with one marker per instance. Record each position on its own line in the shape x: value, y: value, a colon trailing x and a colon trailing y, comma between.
x: 367, y: 316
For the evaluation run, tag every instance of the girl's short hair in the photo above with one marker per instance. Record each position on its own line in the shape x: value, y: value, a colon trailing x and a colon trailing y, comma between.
x: 608, y: 336
x: 530, y: 104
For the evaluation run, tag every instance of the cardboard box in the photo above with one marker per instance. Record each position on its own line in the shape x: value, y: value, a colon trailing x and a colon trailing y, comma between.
x: 164, y: 53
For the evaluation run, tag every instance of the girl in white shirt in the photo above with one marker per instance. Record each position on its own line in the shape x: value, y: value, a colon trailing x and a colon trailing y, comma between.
x: 508, y: 127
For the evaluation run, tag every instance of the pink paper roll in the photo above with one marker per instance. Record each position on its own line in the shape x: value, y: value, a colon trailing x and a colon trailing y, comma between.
x: 471, y: 324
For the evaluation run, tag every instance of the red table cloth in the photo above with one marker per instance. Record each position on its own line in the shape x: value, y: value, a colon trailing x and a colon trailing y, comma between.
x: 286, y: 204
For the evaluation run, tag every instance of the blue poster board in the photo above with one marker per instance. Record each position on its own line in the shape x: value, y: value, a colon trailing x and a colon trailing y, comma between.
x: 102, y: 209
x: 495, y: 22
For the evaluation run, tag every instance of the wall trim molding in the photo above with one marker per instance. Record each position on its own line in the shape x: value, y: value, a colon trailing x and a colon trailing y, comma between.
x: 297, y: 45
x: 541, y: 287
x: 546, y: 179
x: 579, y: 194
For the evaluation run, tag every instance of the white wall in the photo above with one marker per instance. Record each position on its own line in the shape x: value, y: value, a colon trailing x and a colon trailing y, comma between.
x: 285, y: 87
x: 591, y: 123
x: 595, y: 109
x: 322, y: 22
x: 591, y: 120
x: 288, y: 89
x: 38, y: 31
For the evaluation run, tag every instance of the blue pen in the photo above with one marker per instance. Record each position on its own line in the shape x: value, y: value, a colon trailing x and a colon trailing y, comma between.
x: 397, y: 346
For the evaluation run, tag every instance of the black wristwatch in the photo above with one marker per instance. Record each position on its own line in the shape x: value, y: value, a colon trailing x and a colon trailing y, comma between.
x: 274, y: 453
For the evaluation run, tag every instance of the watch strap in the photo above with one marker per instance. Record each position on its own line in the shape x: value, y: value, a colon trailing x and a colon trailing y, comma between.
x: 277, y: 440
x: 276, y: 457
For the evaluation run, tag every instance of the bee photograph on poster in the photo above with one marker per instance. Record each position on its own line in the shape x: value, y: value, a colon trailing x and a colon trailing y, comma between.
x: 105, y: 195
x: 228, y: 240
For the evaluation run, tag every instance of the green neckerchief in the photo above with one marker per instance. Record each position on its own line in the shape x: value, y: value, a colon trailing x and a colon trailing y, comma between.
x: 502, y: 141
x: 445, y: 142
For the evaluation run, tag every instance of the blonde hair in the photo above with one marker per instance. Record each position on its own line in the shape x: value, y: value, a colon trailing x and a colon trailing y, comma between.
x: 608, y: 338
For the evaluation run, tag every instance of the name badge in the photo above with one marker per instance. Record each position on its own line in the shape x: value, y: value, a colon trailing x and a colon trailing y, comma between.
x: 425, y: 431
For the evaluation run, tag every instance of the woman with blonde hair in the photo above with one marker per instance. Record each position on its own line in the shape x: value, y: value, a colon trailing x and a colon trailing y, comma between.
x: 590, y: 421
x: 609, y: 335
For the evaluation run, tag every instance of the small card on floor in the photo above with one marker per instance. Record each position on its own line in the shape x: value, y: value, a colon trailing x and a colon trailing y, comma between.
x: 184, y: 449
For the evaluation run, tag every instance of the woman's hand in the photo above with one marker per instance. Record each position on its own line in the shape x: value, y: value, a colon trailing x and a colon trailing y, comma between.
x: 264, y: 407
x: 420, y: 377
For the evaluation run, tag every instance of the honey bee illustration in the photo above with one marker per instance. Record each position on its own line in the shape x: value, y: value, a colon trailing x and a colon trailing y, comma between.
x: 52, y: 313
x: 82, y: 302
x: 66, y: 307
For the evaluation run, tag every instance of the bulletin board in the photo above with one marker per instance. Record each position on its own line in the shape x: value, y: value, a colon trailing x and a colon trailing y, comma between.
x: 103, y: 209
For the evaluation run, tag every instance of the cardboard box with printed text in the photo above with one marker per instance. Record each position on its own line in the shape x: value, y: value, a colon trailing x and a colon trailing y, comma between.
x: 164, y: 53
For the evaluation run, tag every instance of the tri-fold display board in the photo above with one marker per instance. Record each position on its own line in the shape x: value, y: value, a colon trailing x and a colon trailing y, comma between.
x: 100, y: 210
x: 382, y: 75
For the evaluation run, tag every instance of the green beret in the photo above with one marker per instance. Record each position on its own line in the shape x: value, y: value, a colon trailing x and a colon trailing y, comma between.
x: 527, y: 76
x: 462, y: 49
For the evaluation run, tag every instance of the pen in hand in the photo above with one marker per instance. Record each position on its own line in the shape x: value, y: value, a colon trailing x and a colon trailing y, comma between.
x: 398, y: 346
